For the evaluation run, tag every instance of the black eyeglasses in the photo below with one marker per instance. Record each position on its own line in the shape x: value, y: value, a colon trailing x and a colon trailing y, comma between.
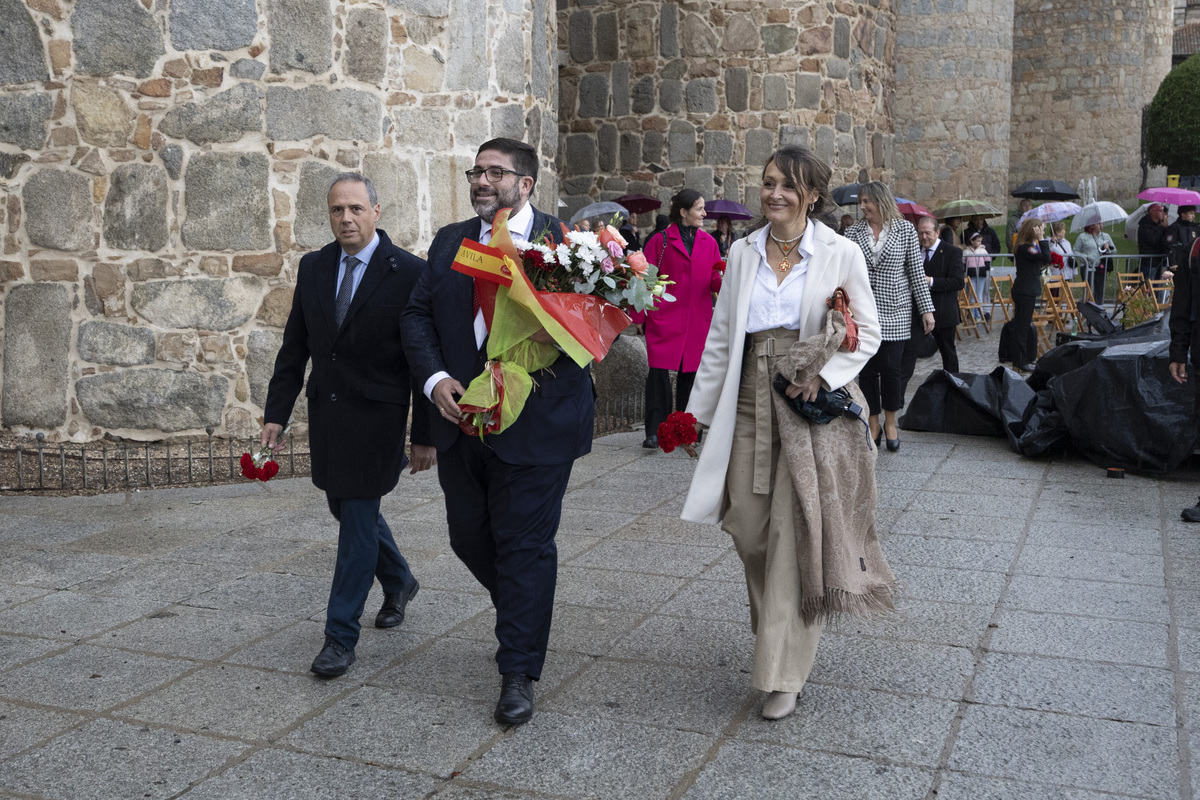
x: 494, y: 174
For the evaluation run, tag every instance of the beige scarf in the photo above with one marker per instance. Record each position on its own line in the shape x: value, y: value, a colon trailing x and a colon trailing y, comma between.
x: 842, y: 567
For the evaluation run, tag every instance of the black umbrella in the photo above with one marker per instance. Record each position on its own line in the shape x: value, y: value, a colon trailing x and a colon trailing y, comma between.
x: 1045, y: 190
x: 846, y: 195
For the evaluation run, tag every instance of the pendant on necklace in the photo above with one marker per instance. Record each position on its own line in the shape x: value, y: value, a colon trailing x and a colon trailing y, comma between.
x: 785, y: 265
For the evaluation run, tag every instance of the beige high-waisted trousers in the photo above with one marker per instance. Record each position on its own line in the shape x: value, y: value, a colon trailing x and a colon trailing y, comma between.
x: 762, y: 527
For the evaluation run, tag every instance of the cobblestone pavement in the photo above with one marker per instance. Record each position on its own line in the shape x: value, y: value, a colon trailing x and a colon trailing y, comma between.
x: 156, y: 645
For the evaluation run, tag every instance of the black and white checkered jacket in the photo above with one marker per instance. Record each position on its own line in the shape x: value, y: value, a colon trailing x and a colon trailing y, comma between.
x: 897, y: 276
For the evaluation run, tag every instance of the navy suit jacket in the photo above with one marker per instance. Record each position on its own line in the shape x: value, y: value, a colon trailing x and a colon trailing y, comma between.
x: 439, y: 335
x: 358, y: 392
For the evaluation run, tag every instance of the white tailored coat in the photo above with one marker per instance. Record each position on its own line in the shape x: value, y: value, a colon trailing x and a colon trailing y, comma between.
x: 836, y: 261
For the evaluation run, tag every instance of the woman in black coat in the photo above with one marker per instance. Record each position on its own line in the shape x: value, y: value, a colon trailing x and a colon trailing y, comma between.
x: 1032, y: 253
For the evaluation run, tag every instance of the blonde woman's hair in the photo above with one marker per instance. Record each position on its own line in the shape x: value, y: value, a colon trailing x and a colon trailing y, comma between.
x: 882, y: 197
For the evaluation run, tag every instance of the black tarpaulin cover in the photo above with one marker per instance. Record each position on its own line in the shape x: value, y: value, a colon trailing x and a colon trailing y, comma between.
x: 1110, y: 397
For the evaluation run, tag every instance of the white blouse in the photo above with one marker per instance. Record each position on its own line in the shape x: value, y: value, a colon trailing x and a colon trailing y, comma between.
x: 775, y: 304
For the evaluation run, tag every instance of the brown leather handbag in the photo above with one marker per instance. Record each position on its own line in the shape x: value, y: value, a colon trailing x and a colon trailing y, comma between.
x: 840, y: 302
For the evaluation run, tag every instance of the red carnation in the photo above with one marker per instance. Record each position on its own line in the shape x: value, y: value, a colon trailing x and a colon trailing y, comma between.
x: 248, y: 469
x: 267, y: 471
x: 679, y: 430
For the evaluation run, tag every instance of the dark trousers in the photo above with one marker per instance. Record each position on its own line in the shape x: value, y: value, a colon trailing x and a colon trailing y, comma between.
x: 1019, y: 329
x: 944, y: 337
x: 1099, y: 274
x: 658, y: 396
x: 880, y: 378
x: 366, y: 550
x: 502, y: 519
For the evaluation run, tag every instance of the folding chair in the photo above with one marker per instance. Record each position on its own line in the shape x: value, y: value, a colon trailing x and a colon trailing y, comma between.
x: 1161, y: 290
x: 1002, y: 295
x: 1128, y: 284
x: 968, y: 304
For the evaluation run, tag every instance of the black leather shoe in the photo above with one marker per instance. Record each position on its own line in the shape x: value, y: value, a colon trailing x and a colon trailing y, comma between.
x: 1191, y: 514
x: 515, y: 706
x: 893, y: 445
x: 650, y: 442
x: 391, y: 613
x: 1026, y: 367
x: 333, y: 660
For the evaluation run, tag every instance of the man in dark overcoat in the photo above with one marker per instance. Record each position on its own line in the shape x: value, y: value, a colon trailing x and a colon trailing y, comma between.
x: 503, y: 492
x: 946, y: 275
x: 345, y: 318
x: 1185, y: 332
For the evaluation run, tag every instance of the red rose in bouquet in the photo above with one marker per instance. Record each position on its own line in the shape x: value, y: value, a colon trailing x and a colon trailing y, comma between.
x: 679, y: 430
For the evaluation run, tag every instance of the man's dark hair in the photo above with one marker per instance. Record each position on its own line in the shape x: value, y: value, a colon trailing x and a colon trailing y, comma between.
x: 684, y: 198
x: 524, y: 157
x: 354, y: 177
x: 1186, y: 209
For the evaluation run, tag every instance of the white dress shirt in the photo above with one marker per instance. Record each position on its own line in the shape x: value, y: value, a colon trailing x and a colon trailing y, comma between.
x: 520, y: 227
x: 775, y: 303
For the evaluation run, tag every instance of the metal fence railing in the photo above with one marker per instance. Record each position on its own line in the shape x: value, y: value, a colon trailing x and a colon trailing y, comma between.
x: 1004, y: 264
x: 615, y: 414
x: 106, y: 467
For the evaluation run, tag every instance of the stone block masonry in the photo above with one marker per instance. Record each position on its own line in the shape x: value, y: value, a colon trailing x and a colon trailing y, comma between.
x: 163, y: 168
x: 658, y: 96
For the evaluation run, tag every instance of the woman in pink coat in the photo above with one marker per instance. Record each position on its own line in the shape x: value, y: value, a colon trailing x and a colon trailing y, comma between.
x: 675, y: 332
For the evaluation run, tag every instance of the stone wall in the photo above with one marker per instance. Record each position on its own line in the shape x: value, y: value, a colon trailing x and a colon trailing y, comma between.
x: 1081, y: 74
x: 164, y: 167
x: 953, y: 90
x: 655, y: 96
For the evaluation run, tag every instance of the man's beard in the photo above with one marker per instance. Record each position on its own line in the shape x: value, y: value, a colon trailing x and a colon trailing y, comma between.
x: 486, y: 207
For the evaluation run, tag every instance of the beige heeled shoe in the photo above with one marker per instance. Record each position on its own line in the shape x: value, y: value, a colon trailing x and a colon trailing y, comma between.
x: 779, y: 705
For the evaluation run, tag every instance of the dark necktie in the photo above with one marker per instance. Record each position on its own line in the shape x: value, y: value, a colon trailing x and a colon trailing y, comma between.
x: 345, y: 292
x: 928, y: 255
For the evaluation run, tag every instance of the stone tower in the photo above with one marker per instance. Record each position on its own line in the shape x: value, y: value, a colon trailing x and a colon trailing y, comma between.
x: 1082, y: 72
x: 164, y: 167
x: 953, y: 90
x: 657, y: 96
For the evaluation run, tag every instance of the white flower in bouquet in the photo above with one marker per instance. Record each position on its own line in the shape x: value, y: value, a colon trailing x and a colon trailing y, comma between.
x: 563, y: 255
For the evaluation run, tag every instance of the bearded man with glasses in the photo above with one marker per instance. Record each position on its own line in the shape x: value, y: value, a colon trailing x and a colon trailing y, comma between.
x: 503, y: 493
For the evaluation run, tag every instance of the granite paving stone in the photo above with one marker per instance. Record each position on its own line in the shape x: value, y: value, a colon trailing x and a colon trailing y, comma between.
x: 893, y: 666
x: 956, y: 786
x: 189, y: 632
x: 954, y: 553
x: 1078, y: 752
x: 17, y: 649
x: 282, y: 775
x: 294, y: 648
x: 73, y: 615
x: 906, y: 730
x: 1046, y: 644
x: 234, y: 701
x: 1104, y: 691
x: 1062, y: 636
x: 106, y: 759
x: 466, y: 669
x: 590, y: 758
x: 90, y: 678
x: 651, y: 557
x: 704, y: 701
x: 1091, y: 565
x: 22, y: 728
x: 747, y: 769
x: 1088, y: 598
x: 362, y: 726
x: 606, y: 588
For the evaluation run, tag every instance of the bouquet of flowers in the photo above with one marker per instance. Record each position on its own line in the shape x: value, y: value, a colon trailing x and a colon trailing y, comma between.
x: 258, y: 466
x: 679, y: 430
x: 574, y: 290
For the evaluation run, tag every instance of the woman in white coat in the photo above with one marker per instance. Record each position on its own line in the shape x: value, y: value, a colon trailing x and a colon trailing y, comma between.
x: 797, y: 498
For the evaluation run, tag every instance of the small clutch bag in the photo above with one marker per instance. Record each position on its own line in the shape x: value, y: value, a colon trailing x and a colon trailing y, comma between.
x: 828, y: 405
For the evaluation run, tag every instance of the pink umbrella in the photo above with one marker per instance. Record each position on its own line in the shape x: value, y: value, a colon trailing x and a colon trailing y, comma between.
x: 1172, y: 196
x: 912, y: 211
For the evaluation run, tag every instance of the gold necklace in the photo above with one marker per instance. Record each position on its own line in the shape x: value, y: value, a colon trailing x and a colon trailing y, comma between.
x: 785, y: 246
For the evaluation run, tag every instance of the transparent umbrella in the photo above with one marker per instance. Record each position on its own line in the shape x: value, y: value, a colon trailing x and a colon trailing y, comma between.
x: 1101, y: 212
x: 1051, y: 212
x: 603, y: 209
